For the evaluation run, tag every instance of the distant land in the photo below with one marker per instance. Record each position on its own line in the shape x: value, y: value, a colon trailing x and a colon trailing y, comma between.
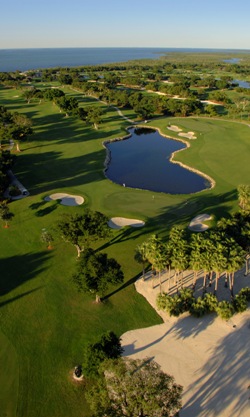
x: 38, y: 58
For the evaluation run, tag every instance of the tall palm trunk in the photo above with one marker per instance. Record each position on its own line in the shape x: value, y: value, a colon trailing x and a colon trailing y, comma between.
x: 232, y: 285
x: 194, y: 279
x: 210, y: 278
x: 169, y: 277
x: 160, y: 282
x: 247, y: 265
x: 204, y: 281
x: 217, y: 275
x: 226, y: 280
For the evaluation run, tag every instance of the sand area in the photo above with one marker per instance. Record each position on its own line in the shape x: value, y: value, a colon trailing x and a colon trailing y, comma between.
x: 197, y: 225
x: 66, y: 199
x: 208, y: 356
x: 119, y: 222
x: 188, y: 135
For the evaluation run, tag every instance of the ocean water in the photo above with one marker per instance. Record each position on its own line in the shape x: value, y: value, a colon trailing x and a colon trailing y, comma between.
x: 28, y: 59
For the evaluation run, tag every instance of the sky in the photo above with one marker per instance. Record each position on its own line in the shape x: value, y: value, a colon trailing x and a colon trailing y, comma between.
x: 128, y: 23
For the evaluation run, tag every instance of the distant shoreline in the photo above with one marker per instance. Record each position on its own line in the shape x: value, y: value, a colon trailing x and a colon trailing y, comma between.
x: 24, y: 59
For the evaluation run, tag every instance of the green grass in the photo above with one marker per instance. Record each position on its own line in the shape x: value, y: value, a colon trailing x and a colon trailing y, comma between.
x: 45, y: 322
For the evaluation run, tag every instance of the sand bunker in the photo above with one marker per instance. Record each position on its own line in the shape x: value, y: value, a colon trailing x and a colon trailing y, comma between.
x: 188, y: 135
x: 66, y: 199
x: 197, y: 225
x: 119, y: 222
x: 174, y: 128
x: 208, y: 356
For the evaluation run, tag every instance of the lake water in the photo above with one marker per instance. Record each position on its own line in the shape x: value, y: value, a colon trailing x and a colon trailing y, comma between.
x: 142, y: 161
x: 232, y: 60
x: 243, y: 84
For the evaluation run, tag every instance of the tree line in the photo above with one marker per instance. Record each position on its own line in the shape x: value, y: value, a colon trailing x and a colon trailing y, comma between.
x: 217, y: 252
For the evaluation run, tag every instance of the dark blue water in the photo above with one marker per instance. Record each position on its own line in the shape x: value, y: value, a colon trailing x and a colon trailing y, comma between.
x: 28, y: 59
x: 142, y: 161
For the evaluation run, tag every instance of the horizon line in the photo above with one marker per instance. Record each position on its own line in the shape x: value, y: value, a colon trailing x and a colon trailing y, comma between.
x: 126, y: 47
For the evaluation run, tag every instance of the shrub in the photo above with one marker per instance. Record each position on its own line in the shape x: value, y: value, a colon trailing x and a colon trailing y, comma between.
x: 211, y: 302
x: 225, y: 310
x: 177, y: 304
x: 199, y: 307
x: 240, y: 303
x: 14, y: 191
x: 186, y: 299
x: 161, y: 301
x: 245, y: 292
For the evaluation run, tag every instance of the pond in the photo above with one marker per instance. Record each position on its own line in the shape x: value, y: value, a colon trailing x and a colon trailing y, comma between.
x: 243, y: 84
x: 232, y: 60
x: 143, y: 161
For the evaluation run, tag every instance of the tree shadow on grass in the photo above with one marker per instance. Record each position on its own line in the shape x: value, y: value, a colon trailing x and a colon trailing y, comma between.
x: 16, y: 270
x: 218, y: 205
x: 122, y: 287
x: 176, y: 214
x: 50, y: 170
x: 17, y: 297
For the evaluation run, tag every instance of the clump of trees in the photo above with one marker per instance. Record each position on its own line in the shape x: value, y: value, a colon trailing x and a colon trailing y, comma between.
x: 82, y: 229
x: 219, y: 253
x: 14, y: 127
x: 6, y: 162
x: 107, y: 347
x: 134, y: 387
x: 198, y: 307
x: 96, y: 272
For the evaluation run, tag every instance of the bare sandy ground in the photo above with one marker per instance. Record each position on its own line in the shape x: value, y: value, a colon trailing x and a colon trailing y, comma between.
x: 208, y: 356
x: 66, y: 199
x: 197, y: 225
x: 119, y: 222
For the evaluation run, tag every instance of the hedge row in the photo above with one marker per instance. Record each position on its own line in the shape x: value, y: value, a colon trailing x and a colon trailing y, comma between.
x: 198, y: 307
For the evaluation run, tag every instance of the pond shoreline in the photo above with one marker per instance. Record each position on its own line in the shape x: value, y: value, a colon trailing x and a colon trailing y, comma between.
x: 171, y: 159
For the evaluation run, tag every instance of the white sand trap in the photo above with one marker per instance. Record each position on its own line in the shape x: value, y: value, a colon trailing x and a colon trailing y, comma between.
x: 66, y: 199
x: 174, y: 128
x: 188, y: 135
x: 119, y: 222
x: 197, y: 225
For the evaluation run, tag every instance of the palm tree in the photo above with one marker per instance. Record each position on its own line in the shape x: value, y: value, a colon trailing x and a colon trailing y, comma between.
x: 247, y: 259
x: 235, y: 260
x: 219, y: 258
x: 179, y: 251
x: 160, y: 262
x: 195, y: 261
x: 153, y: 245
x: 244, y: 196
x: 206, y: 258
x: 140, y: 256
